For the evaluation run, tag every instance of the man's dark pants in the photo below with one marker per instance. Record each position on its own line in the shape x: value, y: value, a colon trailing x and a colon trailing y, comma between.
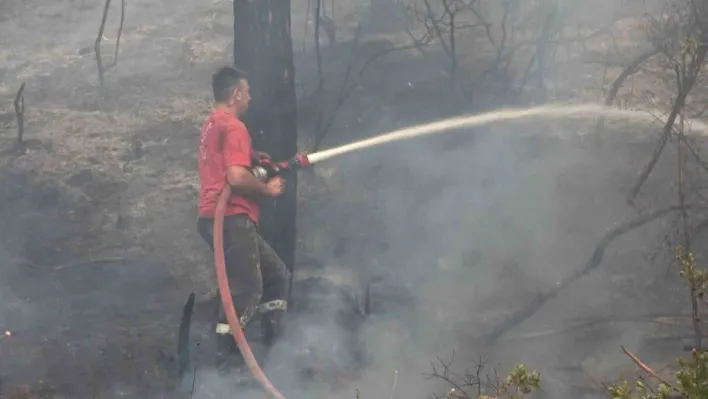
x: 258, y: 278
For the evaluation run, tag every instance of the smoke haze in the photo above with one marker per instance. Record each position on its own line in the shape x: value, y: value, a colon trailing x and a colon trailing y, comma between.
x: 452, y: 234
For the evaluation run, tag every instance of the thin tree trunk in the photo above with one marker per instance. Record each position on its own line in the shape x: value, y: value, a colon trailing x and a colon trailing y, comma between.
x: 263, y: 48
x: 318, y: 55
x: 685, y: 88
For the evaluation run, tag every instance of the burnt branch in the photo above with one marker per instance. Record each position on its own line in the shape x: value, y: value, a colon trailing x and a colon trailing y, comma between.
x: 307, y: 25
x: 685, y: 87
x: 477, y: 383
x: 19, y: 104
x: 318, y: 55
x: 698, y: 334
x: 120, y: 33
x: 442, y: 370
x: 694, y: 152
x: 503, y: 58
x: 631, y: 69
x: 97, y: 44
x: 681, y: 36
x: 348, y: 88
x: 444, y: 25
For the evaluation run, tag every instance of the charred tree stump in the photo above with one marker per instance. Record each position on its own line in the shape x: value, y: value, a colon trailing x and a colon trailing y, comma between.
x: 185, y: 369
x: 263, y: 49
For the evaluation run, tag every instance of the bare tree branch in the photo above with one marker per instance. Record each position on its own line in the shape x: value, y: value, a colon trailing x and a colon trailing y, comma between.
x: 347, y: 89
x: 97, y: 44
x: 617, y: 84
x: 318, y: 55
x: 120, y: 33
x: 685, y: 88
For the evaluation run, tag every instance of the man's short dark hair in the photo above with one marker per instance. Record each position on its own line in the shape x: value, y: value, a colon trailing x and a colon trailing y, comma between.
x: 223, y: 82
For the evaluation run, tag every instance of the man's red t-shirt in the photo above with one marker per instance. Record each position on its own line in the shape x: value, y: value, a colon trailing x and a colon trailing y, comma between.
x: 224, y: 141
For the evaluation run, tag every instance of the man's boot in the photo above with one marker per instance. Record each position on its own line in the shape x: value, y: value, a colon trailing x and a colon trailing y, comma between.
x: 272, y: 327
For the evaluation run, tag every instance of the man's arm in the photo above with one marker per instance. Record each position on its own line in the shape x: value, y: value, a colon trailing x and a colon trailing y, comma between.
x: 243, y: 182
x: 237, y: 160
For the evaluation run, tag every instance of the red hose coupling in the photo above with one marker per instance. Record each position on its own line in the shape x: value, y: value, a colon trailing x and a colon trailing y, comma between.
x: 302, y: 160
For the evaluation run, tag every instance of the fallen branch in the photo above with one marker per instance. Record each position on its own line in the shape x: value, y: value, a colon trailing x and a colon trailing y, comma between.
x: 646, y: 368
x: 595, y: 260
x: 20, y: 114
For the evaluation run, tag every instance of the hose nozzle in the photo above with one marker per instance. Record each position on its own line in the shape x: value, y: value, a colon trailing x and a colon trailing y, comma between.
x: 299, y: 161
x: 267, y: 169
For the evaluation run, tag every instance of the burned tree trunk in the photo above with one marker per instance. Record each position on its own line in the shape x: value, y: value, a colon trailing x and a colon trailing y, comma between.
x: 263, y: 48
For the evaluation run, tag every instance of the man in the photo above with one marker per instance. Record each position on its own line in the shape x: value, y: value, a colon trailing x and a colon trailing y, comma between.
x: 258, y: 278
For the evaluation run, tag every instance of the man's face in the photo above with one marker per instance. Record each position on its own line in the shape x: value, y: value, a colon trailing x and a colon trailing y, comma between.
x: 242, y: 96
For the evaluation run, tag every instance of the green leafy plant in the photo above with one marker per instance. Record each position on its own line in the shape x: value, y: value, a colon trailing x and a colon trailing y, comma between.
x: 519, y: 383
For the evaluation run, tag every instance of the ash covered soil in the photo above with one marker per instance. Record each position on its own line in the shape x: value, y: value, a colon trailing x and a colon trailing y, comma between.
x: 98, y: 248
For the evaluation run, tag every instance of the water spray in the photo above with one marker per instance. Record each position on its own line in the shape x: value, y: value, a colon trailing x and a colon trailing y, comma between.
x: 552, y: 111
x: 267, y: 170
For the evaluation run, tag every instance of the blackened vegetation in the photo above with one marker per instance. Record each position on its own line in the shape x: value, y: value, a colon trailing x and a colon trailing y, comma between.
x: 263, y: 48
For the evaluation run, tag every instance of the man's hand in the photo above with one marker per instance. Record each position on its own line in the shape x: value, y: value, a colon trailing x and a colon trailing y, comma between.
x: 275, y: 186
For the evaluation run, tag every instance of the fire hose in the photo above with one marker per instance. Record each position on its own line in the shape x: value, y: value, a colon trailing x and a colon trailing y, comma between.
x: 263, y: 172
